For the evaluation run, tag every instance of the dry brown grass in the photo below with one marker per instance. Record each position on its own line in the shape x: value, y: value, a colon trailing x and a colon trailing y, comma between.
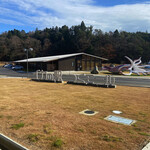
x: 48, y: 112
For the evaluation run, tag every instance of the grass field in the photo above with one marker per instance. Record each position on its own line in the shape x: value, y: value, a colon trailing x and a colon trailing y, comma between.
x: 45, y: 116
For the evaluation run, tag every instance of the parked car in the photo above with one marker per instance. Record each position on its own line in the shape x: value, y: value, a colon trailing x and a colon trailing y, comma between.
x: 9, y: 66
x: 147, y: 66
x: 17, y: 67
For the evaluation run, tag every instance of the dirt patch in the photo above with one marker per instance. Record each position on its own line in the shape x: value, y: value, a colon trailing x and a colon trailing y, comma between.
x: 44, y: 116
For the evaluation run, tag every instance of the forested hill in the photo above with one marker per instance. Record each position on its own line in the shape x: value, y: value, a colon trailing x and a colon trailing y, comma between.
x: 64, y: 40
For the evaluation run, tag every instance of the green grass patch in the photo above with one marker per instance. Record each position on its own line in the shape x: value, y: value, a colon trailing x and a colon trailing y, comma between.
x: 110, y: 138
x: 57, y: 143
x: 143, y: 133
x: 17, y: 126
x: 33, y: 137
x: 134, y: 125
x: 47, y: 129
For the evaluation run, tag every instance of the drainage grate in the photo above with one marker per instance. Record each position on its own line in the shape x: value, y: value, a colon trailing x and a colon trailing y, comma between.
x: 88, y: 112
x: 120, y: 120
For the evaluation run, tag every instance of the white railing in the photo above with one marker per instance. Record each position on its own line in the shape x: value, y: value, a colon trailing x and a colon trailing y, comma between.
x: 85, y: 79
x: 55, y: 76
x: 90, y: 79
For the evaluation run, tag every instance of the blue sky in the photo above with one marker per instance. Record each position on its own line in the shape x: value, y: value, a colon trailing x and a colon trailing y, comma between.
x: 108, y: 3
x: 107, y: 15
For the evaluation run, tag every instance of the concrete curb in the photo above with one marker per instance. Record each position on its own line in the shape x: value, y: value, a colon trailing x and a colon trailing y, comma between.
x: 92, y: 84
x: 77, y: 83
x: 43, y: 80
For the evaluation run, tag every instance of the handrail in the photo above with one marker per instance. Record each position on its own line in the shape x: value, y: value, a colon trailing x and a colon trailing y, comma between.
x: 9, y: 144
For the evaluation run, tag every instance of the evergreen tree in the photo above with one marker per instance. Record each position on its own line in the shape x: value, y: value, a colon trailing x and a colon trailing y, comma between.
x: 80, y: 38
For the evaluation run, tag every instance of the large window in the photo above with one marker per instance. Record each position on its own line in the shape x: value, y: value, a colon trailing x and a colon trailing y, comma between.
x: 87, y: 63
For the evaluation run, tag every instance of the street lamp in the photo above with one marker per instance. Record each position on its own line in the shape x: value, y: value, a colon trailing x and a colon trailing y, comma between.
x: 27, y: 50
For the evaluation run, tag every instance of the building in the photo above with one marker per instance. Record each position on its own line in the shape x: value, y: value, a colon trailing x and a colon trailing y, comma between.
x: 68, y: 62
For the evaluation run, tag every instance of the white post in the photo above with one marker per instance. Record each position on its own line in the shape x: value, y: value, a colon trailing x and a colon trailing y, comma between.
x: 110, y: 79
x: 46, y: 75
x: 106, y: 80
x: 37, y: 74
x: 42, y: 74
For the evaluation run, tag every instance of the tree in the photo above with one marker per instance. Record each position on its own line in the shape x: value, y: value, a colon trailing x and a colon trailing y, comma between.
x: 79, y: 38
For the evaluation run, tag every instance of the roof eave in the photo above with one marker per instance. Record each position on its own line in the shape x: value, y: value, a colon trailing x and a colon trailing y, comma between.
x: 95, y: 56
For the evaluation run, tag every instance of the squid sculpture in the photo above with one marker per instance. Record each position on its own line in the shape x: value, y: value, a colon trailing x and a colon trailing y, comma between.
x: 132, y: 68
x: 135, y: 68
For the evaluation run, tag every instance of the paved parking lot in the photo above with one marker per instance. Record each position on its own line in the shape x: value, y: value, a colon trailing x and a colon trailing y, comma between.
x: 4, y: 72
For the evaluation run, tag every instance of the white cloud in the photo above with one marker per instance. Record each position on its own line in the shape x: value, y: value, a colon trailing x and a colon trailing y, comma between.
x: 11, y: 22
x: 48, y: 13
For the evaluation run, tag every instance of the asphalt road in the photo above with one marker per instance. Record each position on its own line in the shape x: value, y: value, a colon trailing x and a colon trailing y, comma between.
x: 133, y: 81
x: 123, y: 80
x: 119, y: 80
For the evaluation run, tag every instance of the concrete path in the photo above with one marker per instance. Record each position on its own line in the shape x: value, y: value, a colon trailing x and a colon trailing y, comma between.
x: 147, y: 147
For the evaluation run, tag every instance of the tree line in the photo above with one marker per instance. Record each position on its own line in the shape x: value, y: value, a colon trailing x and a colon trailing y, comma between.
x: 80, y: 38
